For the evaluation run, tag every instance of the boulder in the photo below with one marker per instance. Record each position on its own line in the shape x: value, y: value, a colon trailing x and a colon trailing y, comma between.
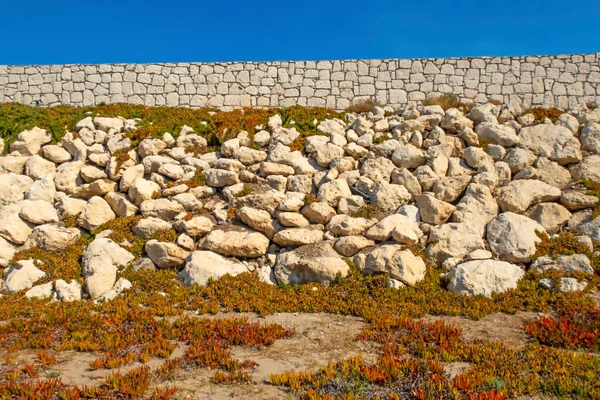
x: 590, y: 138
x: 400, y: 227
x: 588, y: 169
x: 518, y: 196
x: 204, y: 265
x: 453, y: 240
x: 476, y: 208
x: 197, y: 226
x: 551, y: 216
x: 318, y: 212
x: 551, y: 141
x: 502, y: 135
x: 38, y: 212
x: 67, y: 291
x: 259, y: 220
x: 95, y: 213
x: 332, y: 192
x: 432, y: 210
x: 142, y: 190
x: 449, y: 189
x: 400, y: 263
x: 161, y: 208
x: 13, y: 188
x: 567, y: 264
x: 147, y: 227
x: 236, y: 242
x: 29, y: 142
x: 100, y: 263
x: 166, y: 255
x: 21, y: 275
x: 512, y: 237
x: 43, y: 189
x: 484, y: 277
x: 43, y: 291
x: 294, y: 237
x: 120, y: 205
x: 575, y: 201
x: 350, y: 245
x: 13, y: 228
x: 67, y: 177
x: 38, y: 167
x: 52, y: 238
x: 345, y: 225
x: 408, y: 156
x: 387, y: 197
x: 7, y: 251
x: 310, y: 263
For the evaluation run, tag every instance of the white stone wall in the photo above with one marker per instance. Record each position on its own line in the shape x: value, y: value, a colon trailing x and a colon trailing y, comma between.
x: 561, y: 81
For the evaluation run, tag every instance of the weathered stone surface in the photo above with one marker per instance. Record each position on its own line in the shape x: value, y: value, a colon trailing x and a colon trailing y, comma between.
x: 519, y: 195
x: 350, y: 245
x: 236, y: 242
x: 432, y: 210
x: 399, y: 263
x: 259, y: 220
x: 310, y: 263
x: 51, y: 237
x: 13, y: 188
x: 572, y: 263
x: 204, y: 265
x: 345, y: 225
x: 453, y: 240
x: 166, y: 255
x: 551, y: 141
x: 95, y: 213
x: 100, y: 263
x: 513, y: 237
x: 388, y: 197
x: 484, y: 277
x: 294, y: 237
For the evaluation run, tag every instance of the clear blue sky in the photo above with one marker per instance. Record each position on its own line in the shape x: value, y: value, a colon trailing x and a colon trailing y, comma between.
x: 87, y: 31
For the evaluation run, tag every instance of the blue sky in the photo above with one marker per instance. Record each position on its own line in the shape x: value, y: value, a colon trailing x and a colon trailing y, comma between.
x: 86, y: 31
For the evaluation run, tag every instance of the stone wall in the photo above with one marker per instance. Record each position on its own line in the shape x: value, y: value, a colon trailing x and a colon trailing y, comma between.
x: 561, y: 81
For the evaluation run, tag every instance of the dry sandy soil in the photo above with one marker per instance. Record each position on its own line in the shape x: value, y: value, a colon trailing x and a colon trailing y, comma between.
x: 318, y: 339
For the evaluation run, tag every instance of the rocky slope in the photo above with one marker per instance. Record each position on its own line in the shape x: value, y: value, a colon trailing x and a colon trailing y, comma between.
x: 475, y: 191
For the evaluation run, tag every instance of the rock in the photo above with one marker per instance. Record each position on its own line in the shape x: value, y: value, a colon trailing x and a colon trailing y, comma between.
x: 197, y: 226
x: 13, y: 188
x: 551, y: 141
x: 106, y: 124
x: 332, y: 192
x: 588, y: 169
x: 13, y: 228
x: 236, y: 242
x: 499, y: 134
x: 512, y: 237
x: 56, y: 154
x: 204, y: 265
x: 42, y: 189
x: 388, y: 197
x: 476, y: 208
x: 572, y: 285
x: 90, y: 173
x: 575, y: 201
x: 477, y: 158
x: 7, y: 251
x: 453, y: 240
x: 151, y: 147
x: 67, y: 291
x: 351, y: 205
x: 377, y: 169
x: 13, y: 163
x: 129, y: 176
x: 401, y: 264
x: 100, y: 262
x: 37, y: 167
x: 171, y: 171
x: 484, y: 277
x: 294, y: 237
x: 38, y: 212
x: 402, y: 176
x: 408, y: 156
x: 551, y: 173
x: 220, y: 177
x: 590, y: 138
x: 331, y: 126
x: 119, y: 287
x: 259, y: 220
x: 344, y: 225
x: 52, y: 238
x: 67, y: 177
x: 551, y: 216
x: 21, y: 275
x: 166, y: 255
x: 292, y: 219
x: 567, y: 264
x: 161, y: 208
x: 400, y: 227
x: 43, y: 291
x: 147, y: 227
x: 69, y: 206
x: 518, y: 196
x: 449, y: 189
x: 326, y: 154
x: 432, y: 210
x: 99, y: 187
x: 318, y: 212
x: 120, y: 205
x: 350, y: 245
x: 519, y: 159
x: 483, y: 113
x: 96, y: 213
x: 30, y: 142
x: 142, y: 190
x: 310, y: 263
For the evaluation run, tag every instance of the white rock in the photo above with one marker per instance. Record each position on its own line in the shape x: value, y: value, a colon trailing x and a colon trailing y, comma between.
x: 205, y: 265
x: 7, y: 251
x: 294, y: 237
x: 388, y: 197
x: 13, y: 188
x: 484, y: 277
x: 519, y: 195
x: 56, y: 154
x: 332, y: 192
x: 408, y: 156
x: 106, y: 124
x: 38, y: 212
x: 96, y: 212
x: 401, y: 264
x: 401, y: 228
x: 30, y: 142
x: 43, y: 189
x: 52, y: 238
x: 236, y: 242
x: 345, y: 225
x: 432, y: 210
x: 567, y: 264
x: 310, y: 263
x: 100, y: 263
x: 147, y: 227
x: 551, y: 216
x: 21, y: 275
x: 13, y: 228
x: 43, y: 291
x: 350, y: 245
x: 476, y: 208
x: 551, y: 141
x: 453, y: 240
x: 513, y: 237
x: 37, y: 167
x: 67, y: 291
x: 198, y: 226
x: 120, y: 205
x: 499, y: 134
x: 166, y: 255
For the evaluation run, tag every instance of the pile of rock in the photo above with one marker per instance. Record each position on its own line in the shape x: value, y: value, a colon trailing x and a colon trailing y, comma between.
x: 473, y: 189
